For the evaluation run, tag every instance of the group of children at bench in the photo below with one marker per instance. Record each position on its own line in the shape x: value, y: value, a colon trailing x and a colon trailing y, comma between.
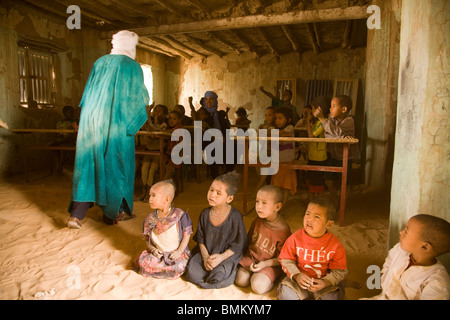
x: 307, y: 264
x: 324, y: 118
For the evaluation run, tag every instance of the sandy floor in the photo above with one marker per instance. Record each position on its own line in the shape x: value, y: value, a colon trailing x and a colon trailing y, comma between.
x: 40, y: 258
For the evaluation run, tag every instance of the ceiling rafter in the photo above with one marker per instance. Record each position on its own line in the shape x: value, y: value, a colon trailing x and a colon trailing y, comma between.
x: 170, y: 8
x: 127, y: 5
x: 247, y: 44
x: 346, y: 37
x: 261, y: 20
x: 199, y: 5
x: 144, y: 46
x: 58, y: 10
x: 170, y: 39
x: 168, y: 47
x: 204, y: 46
x: 103, y: 10
x: 269, y: 43
x: 312, y: 37
x: 216, y: 37
x: 317, y: 34
x: 290, y: 36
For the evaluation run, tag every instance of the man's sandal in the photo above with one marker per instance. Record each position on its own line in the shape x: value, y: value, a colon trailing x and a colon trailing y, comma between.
x: 74, y: 223
x: 122, y: 216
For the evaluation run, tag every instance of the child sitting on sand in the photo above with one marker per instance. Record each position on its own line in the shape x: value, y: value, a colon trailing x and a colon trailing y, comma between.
x: 260, y: 266
x: 313, y: 258
x: 167, y: 231
x: 411, y: 270
x: 221, y: 237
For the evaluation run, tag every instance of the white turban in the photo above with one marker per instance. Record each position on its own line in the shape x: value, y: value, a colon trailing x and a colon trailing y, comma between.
x: 124, y: 42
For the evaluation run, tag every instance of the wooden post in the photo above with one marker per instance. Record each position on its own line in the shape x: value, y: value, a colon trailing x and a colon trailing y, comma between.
x: 343, y: 183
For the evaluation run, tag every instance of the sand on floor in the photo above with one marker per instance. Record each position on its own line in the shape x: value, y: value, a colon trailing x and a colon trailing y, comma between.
x: 40, y: 258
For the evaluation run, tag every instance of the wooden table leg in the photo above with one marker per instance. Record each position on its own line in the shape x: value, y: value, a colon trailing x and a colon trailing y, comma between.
x: 161, y: 159
x: 244, y: 206
x: 24, y: 157
x: 343, y: 183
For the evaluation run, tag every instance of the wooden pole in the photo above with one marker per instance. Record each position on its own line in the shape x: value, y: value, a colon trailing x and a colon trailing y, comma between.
x: 261, y: 20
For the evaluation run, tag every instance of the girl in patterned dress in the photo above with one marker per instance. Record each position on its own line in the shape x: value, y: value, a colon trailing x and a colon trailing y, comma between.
x: 167, y: 231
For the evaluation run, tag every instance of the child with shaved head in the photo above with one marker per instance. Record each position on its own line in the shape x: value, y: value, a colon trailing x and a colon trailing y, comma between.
x: 259, y: 267
x: 411, y: 270
x: 167, y: 231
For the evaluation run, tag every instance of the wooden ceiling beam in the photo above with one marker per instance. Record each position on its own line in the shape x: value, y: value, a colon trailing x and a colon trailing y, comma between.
x: 95, y: 16
x: 170, y: 8
x: 289, y: 34
x: 144, y: 46
x: 204, y: 46
x: 221, y: 40
x: 198, y: 5
x: 269, y: 43
x: 170, y: 39
x: 262, y: 20
x: 57, y: 10
x: 241, y: 38
x: 312, y: 38
x: 317, y: 34
x: 346, y: 37
x: 167, y: 47
x: 136, y: 9
x: 104, y: 11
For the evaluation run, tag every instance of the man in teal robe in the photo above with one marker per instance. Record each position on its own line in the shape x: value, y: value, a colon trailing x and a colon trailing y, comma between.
x: 112, y: 111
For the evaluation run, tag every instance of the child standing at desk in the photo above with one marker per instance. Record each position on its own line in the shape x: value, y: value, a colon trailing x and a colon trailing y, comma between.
x: 317, y: 151
x: 269, y: 119
x: 221, y: 237
x: 242, y: 120
x: 339, y: 124
x: 150, y: 163
x: 285, y: 178
x: 65, y: 139
x: 174, y: 122
x: 268, y: 124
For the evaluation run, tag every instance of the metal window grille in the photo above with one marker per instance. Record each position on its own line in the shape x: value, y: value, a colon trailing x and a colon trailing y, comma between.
x: 36, y: 78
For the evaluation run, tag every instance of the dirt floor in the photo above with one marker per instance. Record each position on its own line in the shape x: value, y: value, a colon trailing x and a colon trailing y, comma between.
x: 41, y: 258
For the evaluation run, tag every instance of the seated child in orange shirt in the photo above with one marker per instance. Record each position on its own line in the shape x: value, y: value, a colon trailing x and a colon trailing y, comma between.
x: 313, y: 258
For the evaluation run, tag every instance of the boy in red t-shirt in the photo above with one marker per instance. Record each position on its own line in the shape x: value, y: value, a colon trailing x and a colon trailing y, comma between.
x: 313, y: 258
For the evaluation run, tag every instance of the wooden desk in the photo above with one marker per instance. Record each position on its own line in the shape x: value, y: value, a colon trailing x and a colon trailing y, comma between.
x: 343, y: 170
x: 161, y: 135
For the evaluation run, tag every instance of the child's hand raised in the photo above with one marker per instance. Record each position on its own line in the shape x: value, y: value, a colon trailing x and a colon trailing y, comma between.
x: 318, y: 113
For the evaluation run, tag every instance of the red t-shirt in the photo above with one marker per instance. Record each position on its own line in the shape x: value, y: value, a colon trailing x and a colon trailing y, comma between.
x: 265, y: 242
x: 314, y: 256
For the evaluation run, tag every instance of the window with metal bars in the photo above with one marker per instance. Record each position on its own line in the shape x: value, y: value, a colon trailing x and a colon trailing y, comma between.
x: 36, y: 78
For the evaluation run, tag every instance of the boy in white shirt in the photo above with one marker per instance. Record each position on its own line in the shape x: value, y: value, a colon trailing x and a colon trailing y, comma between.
x: 411, y: 270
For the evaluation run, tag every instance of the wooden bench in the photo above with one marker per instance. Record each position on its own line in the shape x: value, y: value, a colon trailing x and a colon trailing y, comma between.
x: 22, y: 132
x: 343, y: 170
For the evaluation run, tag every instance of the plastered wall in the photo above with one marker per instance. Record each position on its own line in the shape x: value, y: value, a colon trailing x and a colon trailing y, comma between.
x: 421, y: 177
x: 75, y: 53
